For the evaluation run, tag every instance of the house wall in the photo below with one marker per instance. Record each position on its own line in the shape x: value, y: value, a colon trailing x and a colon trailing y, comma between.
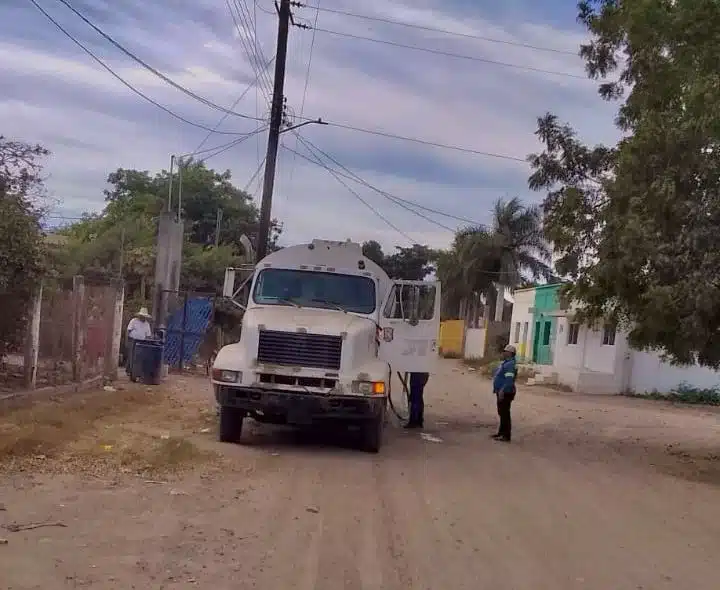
x: 521, y: 323
x: 650, y: 373
x: 591, y: 366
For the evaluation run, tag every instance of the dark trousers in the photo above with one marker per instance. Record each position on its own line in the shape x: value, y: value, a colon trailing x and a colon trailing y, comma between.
x: 416, y: 401
x: 129, y: 348
x: 503, y: 409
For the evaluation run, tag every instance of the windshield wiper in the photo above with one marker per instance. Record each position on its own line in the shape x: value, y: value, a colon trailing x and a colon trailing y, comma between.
x: 287, y: 300
x: 335, y: 305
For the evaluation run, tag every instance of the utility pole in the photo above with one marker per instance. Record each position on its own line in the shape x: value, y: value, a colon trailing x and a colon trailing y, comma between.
x: 276, y: 118
x: 218, y: 220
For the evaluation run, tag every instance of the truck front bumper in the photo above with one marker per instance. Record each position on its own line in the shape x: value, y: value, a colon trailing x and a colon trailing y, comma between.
x: 300, y: 407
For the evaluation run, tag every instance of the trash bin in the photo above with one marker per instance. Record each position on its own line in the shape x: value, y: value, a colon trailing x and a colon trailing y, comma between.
x: 147, y: 361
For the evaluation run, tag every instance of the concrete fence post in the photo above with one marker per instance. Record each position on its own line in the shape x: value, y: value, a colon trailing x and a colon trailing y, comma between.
x: 78, y: 327
x: 114, y: 336
x: 32, y: 340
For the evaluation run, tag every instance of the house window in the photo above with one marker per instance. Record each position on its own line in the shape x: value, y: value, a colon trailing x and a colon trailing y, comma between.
x: 517, y: 332
x: 608, y: 335
x: 573, y: 332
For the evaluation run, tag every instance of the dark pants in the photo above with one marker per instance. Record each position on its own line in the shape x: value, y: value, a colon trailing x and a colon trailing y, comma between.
x: 129, y: 348
x: 503, y: 409
x: 416, y: 401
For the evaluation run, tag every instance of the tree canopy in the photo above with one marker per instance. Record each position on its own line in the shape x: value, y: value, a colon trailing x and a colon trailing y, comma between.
x: 21, y: 247
x: 124, y: 234
x: 636, y: 225
x: 508, y: 253
x: 410, y: 264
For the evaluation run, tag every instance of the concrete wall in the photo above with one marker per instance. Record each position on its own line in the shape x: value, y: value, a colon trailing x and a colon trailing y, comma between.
x: 521, y: 323
x: 650, y: 373
x: 474, y: 343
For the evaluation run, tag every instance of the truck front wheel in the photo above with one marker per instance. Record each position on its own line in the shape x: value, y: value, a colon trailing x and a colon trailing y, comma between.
x: 231, y: 422
x: 373, y: 433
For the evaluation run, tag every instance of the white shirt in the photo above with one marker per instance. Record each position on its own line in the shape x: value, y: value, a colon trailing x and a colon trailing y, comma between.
x: 139, y: 329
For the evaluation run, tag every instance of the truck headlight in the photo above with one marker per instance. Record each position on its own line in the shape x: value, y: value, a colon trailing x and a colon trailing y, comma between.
x: 368, y: 387
x: 226, y: 376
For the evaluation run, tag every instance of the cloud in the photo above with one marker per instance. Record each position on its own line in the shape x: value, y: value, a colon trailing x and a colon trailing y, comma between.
x: 55, y: 94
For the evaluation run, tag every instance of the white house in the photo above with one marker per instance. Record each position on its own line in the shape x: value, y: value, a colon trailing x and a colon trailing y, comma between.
x: 590, y: 360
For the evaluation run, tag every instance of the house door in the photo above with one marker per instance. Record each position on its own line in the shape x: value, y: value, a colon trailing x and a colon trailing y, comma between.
x: 543, y: 349
x: 536, y: 342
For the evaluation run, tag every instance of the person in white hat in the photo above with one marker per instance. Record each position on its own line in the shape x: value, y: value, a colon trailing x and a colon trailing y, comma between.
x: 138, y: 328
x: 504, y: 390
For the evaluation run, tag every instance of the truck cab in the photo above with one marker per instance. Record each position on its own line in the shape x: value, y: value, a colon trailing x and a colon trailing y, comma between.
x: 324, y: 330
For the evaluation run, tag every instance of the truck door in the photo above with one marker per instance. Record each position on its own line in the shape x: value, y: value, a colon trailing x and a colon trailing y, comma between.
x: 410, y: 326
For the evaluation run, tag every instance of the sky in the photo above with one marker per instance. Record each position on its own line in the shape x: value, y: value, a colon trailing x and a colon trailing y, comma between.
x: 55, y: 94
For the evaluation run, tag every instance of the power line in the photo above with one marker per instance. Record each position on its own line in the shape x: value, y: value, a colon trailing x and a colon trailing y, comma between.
x: 223, y: 148
x: 150, y: 68
x: 254, y: 176
x: 309, y: 144
x: 253, y: 56
x: 355, y: 194
x: 449, y: 53
x: 386, y: 195
x: 121, y: 79
x: 307, y: 81
x: 237, y: 101
x: 435, y: 29
x: 419, y: 141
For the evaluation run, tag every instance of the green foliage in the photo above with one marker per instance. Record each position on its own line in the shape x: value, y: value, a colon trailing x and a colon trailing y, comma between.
x: 509, y: 253
x: 410, y: 264
x: 122, y: 238
x: 21, y: 237
x: 684, y: 394
x: 635, y: 225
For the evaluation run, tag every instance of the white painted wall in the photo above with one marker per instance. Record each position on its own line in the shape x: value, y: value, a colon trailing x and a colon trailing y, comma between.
x: 592, y: 367
x: 521, y: 323
x: 474, y: 343
x: 650, y: 373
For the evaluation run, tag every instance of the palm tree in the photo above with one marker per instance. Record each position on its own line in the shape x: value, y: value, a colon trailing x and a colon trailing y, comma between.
x: 511, y: 251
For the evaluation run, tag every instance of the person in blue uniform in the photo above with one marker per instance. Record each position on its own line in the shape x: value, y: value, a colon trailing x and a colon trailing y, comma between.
x: 416, y: 399
x: 504, y: 390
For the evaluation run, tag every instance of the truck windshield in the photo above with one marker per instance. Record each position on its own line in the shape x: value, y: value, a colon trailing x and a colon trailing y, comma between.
x: 275, y: 286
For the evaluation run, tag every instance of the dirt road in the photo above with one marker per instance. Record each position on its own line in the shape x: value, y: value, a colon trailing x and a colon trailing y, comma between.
x: 594, y: 493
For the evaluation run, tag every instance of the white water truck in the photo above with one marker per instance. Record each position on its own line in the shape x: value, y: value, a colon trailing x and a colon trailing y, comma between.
x: 323, y: 332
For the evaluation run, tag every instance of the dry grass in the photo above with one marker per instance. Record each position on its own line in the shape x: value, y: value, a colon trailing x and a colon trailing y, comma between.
x: 139, y: 429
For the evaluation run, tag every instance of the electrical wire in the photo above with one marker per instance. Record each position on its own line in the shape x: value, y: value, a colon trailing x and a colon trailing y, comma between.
x: 417, y: 140
x: 250, y: 24
x: 223, y: 148
x: 305, y: 88
x: 450, y: 54
x: 253, y: 56
x: 309, y: 144
x: 150, y: 68
x: 434, y: 29
x: 237, y: 101
x: 389, y: 197
x: 355, y: 194
x: 121, y: 79
x: 254, y: 176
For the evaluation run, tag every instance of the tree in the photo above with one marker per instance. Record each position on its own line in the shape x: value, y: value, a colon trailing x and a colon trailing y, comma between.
x: 21, y: 252
x: 508, y: 253
x: 635, y: 225
x: 128, y: 225
x: 410, y: 264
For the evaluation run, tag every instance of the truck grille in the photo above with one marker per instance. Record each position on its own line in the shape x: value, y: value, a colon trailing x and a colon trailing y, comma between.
x: 299, y: 349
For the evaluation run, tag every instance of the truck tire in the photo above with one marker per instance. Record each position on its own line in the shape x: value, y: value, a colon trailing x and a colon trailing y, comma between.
x: 372, y: 434
x: 231, y: 422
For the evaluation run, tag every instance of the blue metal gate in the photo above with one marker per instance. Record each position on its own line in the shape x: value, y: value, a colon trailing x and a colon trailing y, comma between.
x: 187, y: 326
